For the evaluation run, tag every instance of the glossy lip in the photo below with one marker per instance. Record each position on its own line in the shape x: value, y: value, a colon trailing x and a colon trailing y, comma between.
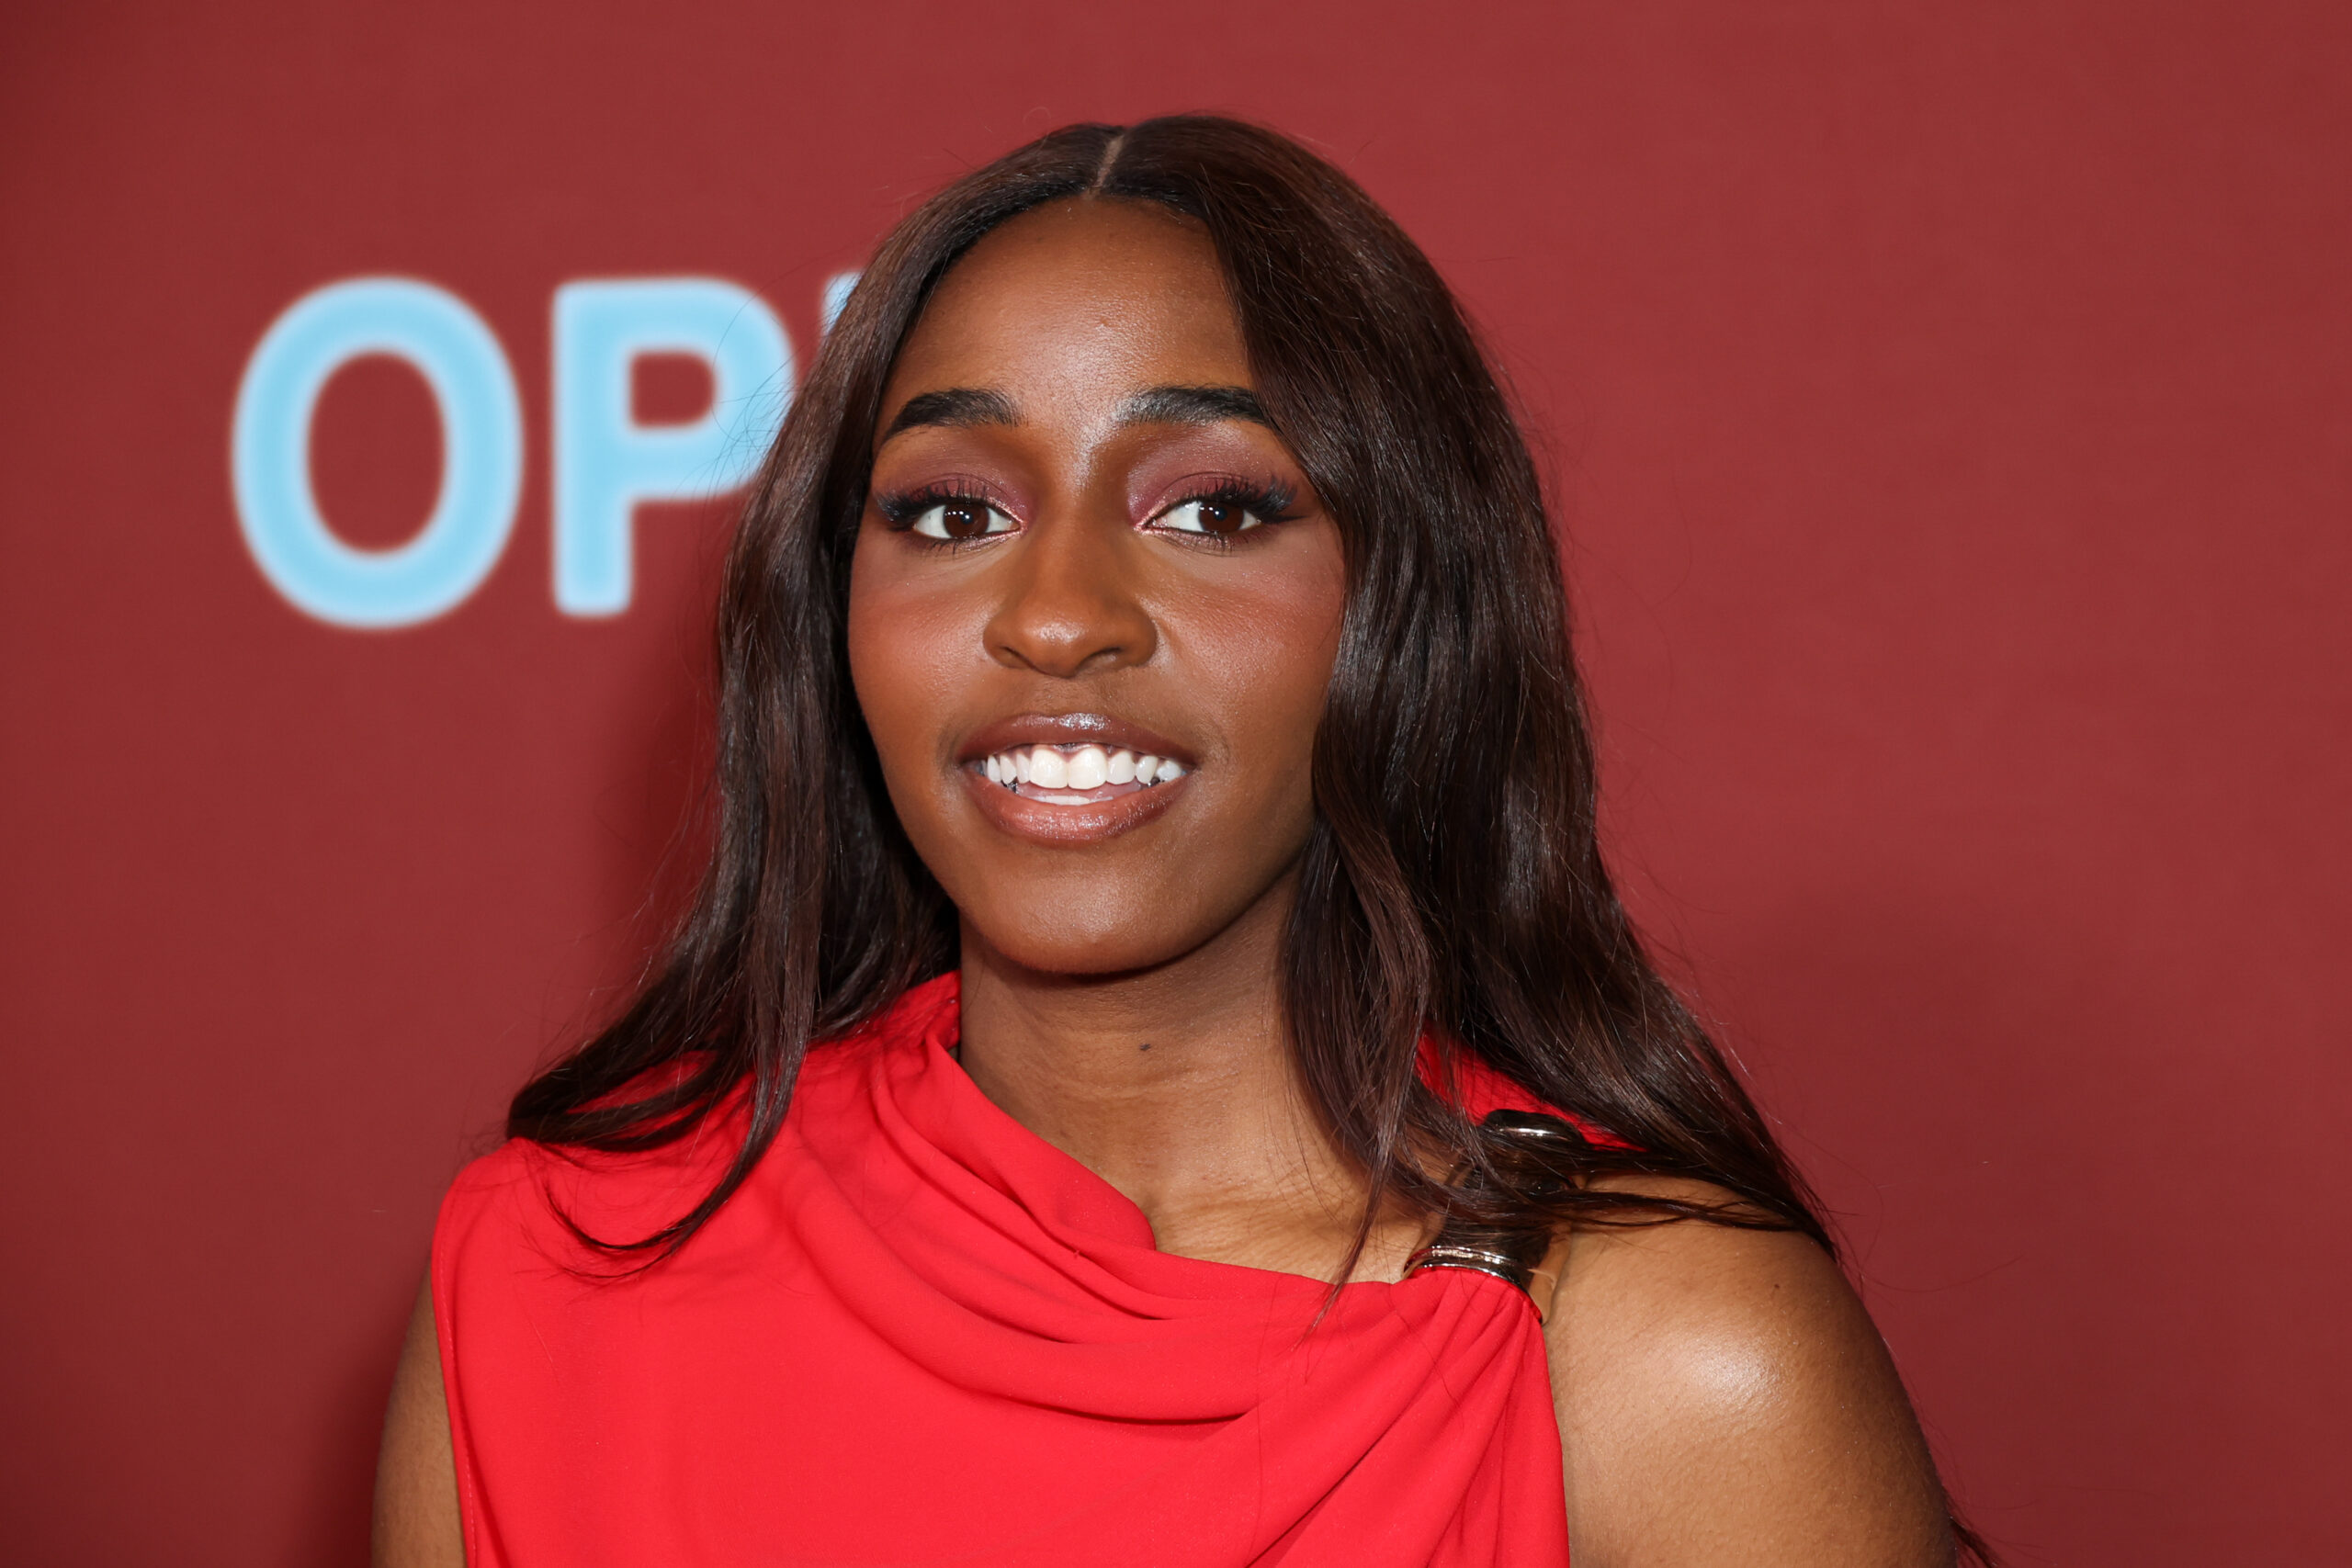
x: 1071, y: 825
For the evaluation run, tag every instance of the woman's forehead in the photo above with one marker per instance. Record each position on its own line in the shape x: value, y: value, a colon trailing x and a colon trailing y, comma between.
x: 1082, y: 300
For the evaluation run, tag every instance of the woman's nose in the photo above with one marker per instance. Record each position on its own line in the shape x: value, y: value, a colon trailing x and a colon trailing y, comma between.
x: 1070, y: 606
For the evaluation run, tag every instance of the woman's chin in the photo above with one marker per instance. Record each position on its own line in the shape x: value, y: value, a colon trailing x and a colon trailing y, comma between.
x: 1047, y: 928
x: 1080, y: 950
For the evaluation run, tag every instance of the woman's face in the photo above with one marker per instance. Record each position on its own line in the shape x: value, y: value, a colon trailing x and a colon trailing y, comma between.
x: 1094, y: 602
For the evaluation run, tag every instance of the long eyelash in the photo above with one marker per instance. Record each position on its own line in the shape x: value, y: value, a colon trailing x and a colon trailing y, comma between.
x: 901, y: 508
x: 1269, y: 502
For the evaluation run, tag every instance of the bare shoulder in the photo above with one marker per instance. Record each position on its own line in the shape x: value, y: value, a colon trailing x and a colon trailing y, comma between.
x: 416, y: 1521
x: 1724, y: 1397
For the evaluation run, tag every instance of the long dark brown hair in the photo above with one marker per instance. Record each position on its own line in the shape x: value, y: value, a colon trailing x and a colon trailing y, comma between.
x: 1452, y: 884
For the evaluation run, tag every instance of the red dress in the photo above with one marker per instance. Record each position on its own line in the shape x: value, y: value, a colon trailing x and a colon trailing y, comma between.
x: 920, y: 1334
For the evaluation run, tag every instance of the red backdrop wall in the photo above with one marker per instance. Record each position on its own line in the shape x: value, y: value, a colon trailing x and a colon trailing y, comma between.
x: 1952, y: 407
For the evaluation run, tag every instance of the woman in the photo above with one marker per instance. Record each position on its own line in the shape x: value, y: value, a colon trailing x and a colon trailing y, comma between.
x: 1155, y: 1071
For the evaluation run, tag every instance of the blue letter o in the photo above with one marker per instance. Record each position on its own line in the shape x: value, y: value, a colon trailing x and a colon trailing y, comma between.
x: 481, y: 445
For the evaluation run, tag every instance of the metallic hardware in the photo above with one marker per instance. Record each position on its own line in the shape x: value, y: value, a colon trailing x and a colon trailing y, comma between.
x: 1461, y: 1243
x: 1446, y: 1254
x: 1529, y: 1124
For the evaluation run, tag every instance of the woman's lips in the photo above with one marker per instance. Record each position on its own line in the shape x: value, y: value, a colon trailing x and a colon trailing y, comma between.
x: 1068, y: 777
x: 1071, y: 817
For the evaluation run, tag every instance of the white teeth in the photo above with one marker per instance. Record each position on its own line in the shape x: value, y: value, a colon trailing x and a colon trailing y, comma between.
x: 1050, y: 769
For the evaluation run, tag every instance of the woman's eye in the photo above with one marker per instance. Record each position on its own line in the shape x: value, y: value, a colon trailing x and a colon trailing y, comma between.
x: 1209, y: 515
x: 961, y: 520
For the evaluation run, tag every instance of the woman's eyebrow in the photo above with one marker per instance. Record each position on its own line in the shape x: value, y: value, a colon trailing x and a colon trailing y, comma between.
x: 954, y: 406
x: 1193, y: 405
x: 964, y: 406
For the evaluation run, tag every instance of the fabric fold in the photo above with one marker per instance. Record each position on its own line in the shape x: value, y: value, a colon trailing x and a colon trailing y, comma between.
x: 920, y: 1334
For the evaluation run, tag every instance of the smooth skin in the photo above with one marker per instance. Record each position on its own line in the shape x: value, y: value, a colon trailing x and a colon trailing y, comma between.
x: 1047, y: 542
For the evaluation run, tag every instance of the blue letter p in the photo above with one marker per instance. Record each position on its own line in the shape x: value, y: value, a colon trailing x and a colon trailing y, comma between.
x: 606, y: 462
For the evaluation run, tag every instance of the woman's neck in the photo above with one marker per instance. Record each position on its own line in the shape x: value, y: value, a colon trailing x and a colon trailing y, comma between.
x: 1176, y: 1085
